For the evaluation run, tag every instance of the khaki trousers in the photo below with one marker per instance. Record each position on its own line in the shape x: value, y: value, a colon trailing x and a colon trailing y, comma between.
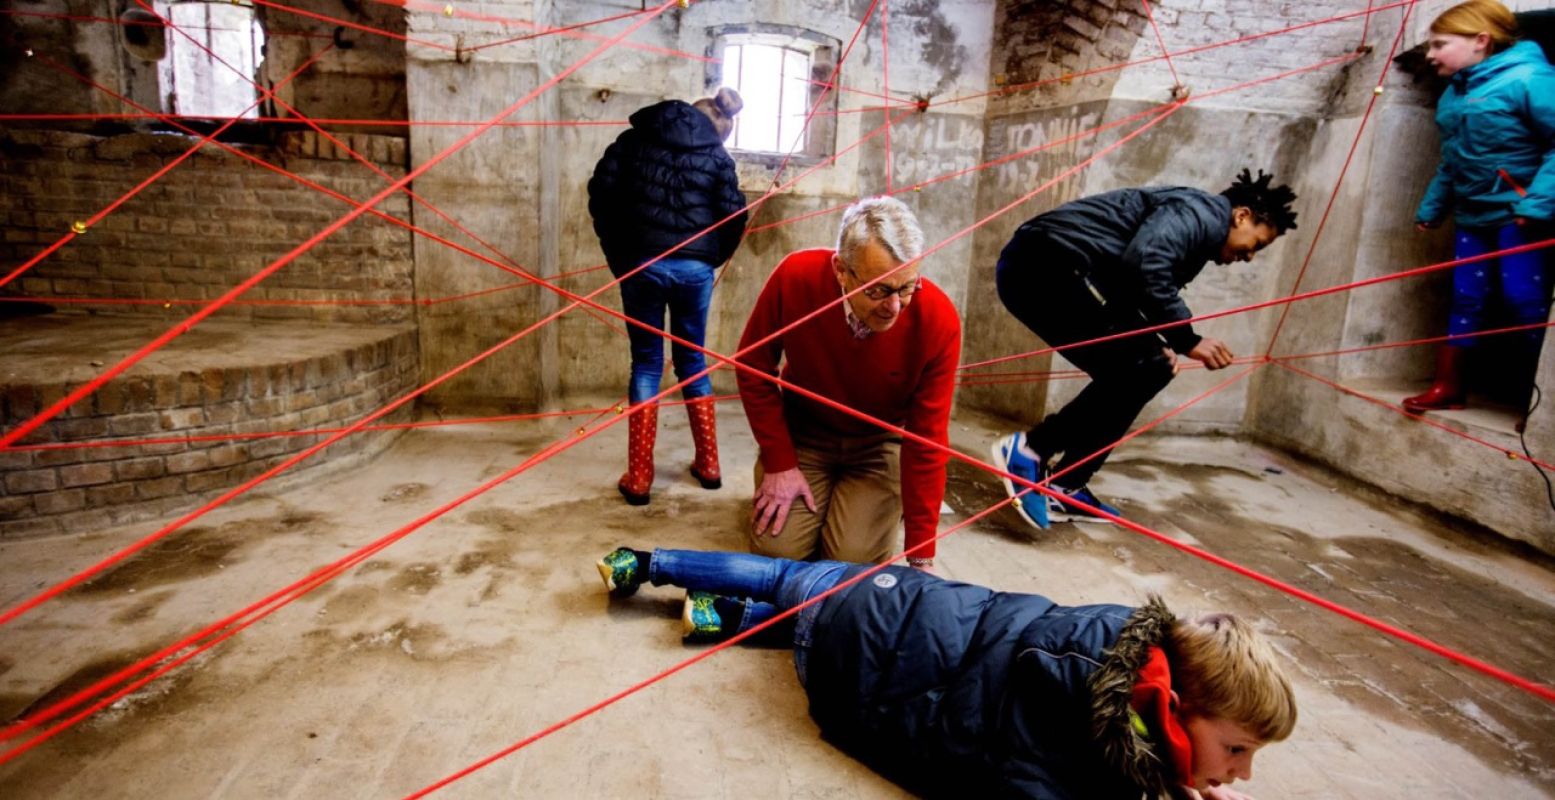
x: 857, y: 484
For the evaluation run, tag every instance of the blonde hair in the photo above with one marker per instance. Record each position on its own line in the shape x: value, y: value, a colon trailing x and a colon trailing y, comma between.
x: 1476, y: 17
x: 721, y: 108
x: 1222, y: 668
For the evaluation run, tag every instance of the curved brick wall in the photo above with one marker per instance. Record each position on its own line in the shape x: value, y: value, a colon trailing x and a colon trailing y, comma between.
x: 222, y: 377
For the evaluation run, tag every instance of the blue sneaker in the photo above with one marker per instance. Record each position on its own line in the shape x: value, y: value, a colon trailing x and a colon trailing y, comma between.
x: 1007, y: 455
x: 1061, y: 511
x: 699, y: 618
x: 621, y: 572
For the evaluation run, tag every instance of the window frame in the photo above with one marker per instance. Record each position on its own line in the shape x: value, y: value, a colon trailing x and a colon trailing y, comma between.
x: 820, y: 52
x: 167, y: 68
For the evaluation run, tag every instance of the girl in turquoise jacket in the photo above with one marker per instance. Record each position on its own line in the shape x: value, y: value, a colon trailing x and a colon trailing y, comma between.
x: 1496, y: 178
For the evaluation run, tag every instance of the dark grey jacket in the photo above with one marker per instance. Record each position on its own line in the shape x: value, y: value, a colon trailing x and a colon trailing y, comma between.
x: 1138, y: 247
x: 955, y: 690
x: 663, y: 181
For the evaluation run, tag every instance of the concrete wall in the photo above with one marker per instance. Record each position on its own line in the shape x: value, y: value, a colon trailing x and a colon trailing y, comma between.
x: 531, y: 190
x: 1066, y: 49
x: 1049, y: 67
x: 1371, y: 234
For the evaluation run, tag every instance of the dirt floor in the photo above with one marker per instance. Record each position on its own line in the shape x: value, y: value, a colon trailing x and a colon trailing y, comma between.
x: 490, y: 624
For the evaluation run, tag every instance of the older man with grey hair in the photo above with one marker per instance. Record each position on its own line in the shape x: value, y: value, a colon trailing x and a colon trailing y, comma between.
x: 829, y: 485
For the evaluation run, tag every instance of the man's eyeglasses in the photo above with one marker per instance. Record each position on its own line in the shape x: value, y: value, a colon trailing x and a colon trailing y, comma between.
x: 880, y: 291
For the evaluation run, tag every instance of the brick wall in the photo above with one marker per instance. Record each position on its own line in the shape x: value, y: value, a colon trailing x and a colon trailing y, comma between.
x: 211, y: 222
x: 1043, y: 40
x: 1186, y: 24
x: 85, y: 489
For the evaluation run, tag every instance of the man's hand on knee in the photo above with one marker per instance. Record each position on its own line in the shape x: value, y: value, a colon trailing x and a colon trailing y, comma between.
x: 775, y: 496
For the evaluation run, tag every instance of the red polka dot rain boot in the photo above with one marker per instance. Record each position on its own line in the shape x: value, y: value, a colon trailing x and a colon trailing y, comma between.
x: 642, y: 431
x: 704, y: 434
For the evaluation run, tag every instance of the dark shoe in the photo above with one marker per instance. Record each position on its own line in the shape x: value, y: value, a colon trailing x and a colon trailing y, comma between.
x: 1061, y: 510
x: 642, y: 432
x: 704, y: 435
x: 622, y: 571
x: 1447, y: 389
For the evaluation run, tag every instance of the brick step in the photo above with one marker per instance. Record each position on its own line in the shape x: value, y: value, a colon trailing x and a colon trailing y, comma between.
x: 222, y: 377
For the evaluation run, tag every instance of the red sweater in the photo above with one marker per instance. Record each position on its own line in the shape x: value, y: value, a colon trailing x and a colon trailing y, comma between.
x: 905, y: 376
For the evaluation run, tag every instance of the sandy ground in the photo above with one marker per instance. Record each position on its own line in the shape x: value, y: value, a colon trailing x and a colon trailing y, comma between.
x: 490, y: 624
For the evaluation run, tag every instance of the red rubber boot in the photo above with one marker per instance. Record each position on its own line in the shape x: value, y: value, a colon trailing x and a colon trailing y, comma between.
x: 1447, y: 390
x: 704, y: 434
x: 642, y: 432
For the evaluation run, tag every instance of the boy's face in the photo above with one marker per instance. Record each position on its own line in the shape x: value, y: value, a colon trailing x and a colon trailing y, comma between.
x: 1222, y: 751
x: 1247, y: 237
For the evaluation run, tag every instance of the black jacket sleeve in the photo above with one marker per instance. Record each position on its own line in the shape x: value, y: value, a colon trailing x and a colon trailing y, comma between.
x: 1168, y: 238
x: 730, y: 201
x: 605, y: 195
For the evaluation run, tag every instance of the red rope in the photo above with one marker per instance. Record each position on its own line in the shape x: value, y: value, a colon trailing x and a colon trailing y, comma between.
x: 1168, y: 540
x: 232, y: 437
x: 885, y: 82
x: 1333, y: 196
x: 389, y: 301
x: 172, y: 333
x: 576, y: 26
x: 756, y: 630
x: 553, y: 449
x: 135, y: 22
x: 329, y: 193
x: 396, y: 123
x: 1166, y: 54
x: 12, y: 613
x: 111, y: 207
x: 1414, y: 342
x: 342, y: 146
x: 357, y: 26
x: 1036, y: 377
x: 1512, y: 454
x: 998, y: 378
x: 1308, y: 295
x: 1005, y: 159
x: 800, y: 321
x: 459, y: 13
x: 804, y: 129
x: 1068, y: 77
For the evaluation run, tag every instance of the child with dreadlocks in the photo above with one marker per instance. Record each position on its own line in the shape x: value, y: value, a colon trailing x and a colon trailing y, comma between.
x: 1110, y: 264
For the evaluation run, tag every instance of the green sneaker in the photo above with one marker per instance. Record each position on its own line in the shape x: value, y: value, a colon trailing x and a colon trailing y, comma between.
x: 621, y: 572
x: 700, y: 619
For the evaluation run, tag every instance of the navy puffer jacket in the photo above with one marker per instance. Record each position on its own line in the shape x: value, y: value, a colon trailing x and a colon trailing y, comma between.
x: 662, y: 181
x: 956, y: 690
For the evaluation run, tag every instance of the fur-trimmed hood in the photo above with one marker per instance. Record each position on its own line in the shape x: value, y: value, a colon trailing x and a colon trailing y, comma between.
x: 1112, y: 688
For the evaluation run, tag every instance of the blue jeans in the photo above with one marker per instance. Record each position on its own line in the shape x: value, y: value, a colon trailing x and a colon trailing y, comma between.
x: 684, y: 286
x: 1521, y: 282
x: 768, y: 585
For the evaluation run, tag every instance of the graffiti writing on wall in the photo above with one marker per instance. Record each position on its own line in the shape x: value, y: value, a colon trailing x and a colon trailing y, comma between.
x: 932, y: 145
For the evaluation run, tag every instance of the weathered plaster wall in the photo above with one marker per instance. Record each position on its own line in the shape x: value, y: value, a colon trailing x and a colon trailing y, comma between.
x: 1370, y: 234
x: 1066, y: 48
x: 937, y: 50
